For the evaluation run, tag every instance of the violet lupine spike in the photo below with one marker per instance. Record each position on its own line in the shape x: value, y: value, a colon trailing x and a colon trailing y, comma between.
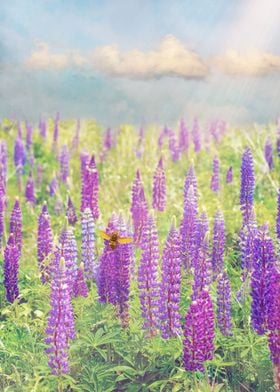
x: 11, y: 267
x: 29, y: 133
x: 84, y: 161
x: 29, y: 191
x: 229, y: 176
x: 223, y: 304
x: 159, y: 188
x: 2, y: 210
x: 16, y: 224
x: 61, y: 326
x: 76, y: 138
x: 202, y: 268
x: 139, y: 208
x: 107, y: 271
x: 278, y: 216
x: 268, y: 153
x: 71, y: 213
x: 199, y: 333
x: 148, y: 277
x: 44, y: 243
x: 170, y: 286
x: 190, y: 180
x: 163, y: 134
x: 19, y: 155
x: 215, y: 180
x: 55, y: 133
x: 188, y: 227
x: 64, y: 164
x: 263, y: 262
x: 43, y: 128
x: 58, y: 206
x: 196, y: 136
x: 3, y: 162
x: 88, y: 244
x: 218, y: 249
x: 278, y: 146
x: 247, y: 185
x: 90, y: 189
x: 80, y: 287
x: 53, y: 186
x: 140, y: 143
x: 124, y: 259
x: 173, y: 147
x: 201, y: 229
x: 183, y: 137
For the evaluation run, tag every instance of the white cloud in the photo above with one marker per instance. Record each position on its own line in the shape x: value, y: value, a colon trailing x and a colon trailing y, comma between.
x: 43, y: 58
x: 253, y: 63
x: 171, y: 58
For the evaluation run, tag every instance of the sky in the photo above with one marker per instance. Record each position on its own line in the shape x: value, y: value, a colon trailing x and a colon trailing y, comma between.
x: 140, y: 61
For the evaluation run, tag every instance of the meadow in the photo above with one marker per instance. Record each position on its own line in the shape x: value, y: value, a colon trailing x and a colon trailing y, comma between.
x: 111, y: 352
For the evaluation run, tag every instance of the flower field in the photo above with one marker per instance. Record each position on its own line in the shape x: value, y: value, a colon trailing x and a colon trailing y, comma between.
x: 139, y: 259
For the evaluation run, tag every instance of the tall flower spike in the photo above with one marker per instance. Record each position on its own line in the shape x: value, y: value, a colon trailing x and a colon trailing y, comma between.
x: 215, y: 180
x: 88, y: 244
x: 71, y: 213
x: 76, y: 138
x: 148, y: 277
x: 199, y: 333
x: 190, y: 180
x: 196, y: 136
x: 247, y: 185
x: 29, y: 190
x: 80, y: 286
x: 278, y: 216
x: 55, y: 133
x: 16, y: 224
x: 43, y: 128
x: 159, y: 188
x: 90, y: 188
x: 44, y: 243
x: 218, y: 244
x: 170, y: 285
x: 2, y: 210
x: 188, y: 227
x: 53, y: 186
x: 229, y: 176
x: 29, y: 133
x: 173, y: 147
x: 223, y: 304
x: 201, y: 229
x: 11, y: 266
x: 61, y: 328
x: 139, y: 208
x: 263, y: 262
x: 268, y: 153
x: 3, y: 162
x: 64, y: 163
x: 183, y: 137
x: 202, y: 268
x: 19, y: 158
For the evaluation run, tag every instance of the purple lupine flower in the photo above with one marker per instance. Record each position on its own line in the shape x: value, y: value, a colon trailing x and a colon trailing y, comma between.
x: 268, y: 153
x: 199, y: 333
x: 16, y: 224
x: 201, y: 229
x: 159, y: 188
x: 273, y: 318
x: 148, y: 277
x: 263, y: 262
x: 278, y: 146
x: 3, y: 162
x: 247, y: 185
x: 71, y: 213
x: 88, y: 244
x: 124, y: 259
x: 107, y: 271
x: 278, y: 216
x: 173, y: 147
x: 61, y: 328
x: 188, y: 227
x: 84, y: 161
x: 67, y: 248
x: 53, y: 186
x: 58, y: 206
x: 139, y: 208
x: 43, y: 128
x: 190, y: 180
x: 229, y: 176
x: 19, y: 157
x: 215, y: 180
x: 170, y: 285
x: 183, y: 137
x: 19, y: 130
x: 64, y: 163
x: 29, y: 191
x: 196, y: 136
x: 76, y: 138
x: 163, y: 134
x: 218, y: 244
x: 202, y: 268
x: 80, y: 286
x: 140, y: 143
x: 44, y: 243
x: 223, y: 304
x: 55, y: 132
x: 29, y: 132
x: 11, y: 266
x: 2, y: 209
x: 90, y: 188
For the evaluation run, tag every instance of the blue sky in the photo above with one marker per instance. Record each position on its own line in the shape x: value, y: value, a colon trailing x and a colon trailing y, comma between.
x: 141, y: 61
